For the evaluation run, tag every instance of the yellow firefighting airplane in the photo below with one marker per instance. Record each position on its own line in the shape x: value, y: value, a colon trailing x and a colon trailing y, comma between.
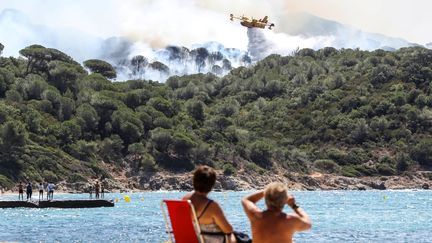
x: 253, y: 23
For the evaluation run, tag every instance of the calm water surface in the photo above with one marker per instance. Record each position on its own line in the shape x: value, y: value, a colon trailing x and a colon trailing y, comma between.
x: 338, y: 216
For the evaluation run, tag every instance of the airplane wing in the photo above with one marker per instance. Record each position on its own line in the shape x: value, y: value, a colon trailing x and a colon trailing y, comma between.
x: 232, y: 17
x: 242, y: 18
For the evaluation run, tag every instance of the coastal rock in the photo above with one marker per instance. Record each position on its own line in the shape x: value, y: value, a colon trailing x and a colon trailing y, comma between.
x: 310, y: 182
x: 253, y: 181
x: 378, y: 185
x: 229, y: 183
x: 361, y: 188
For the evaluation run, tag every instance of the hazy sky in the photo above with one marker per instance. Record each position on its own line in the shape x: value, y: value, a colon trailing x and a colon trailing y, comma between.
x: 409, y: 19
x: 192, y: 21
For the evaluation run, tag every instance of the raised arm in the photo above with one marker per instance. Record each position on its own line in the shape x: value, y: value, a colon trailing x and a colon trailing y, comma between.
x: 249, y: 204
x: 302, y: 219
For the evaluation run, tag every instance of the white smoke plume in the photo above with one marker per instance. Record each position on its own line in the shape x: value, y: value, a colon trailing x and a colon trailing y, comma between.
x: 154, y: 39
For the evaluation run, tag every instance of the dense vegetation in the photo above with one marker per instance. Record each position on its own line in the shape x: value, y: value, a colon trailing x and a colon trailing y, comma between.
x: 346, y: 112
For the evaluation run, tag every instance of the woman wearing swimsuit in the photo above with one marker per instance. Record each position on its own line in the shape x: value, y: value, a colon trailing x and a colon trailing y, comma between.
x: 215, y: 228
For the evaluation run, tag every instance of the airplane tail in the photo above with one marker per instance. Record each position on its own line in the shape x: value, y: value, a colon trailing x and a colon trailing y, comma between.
x: 265, y: 19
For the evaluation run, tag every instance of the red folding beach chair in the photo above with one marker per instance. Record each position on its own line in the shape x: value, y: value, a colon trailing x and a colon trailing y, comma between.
x: 184, y: 222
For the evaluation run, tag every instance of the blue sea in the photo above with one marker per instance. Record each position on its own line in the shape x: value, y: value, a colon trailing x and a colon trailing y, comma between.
x: 338, y: 216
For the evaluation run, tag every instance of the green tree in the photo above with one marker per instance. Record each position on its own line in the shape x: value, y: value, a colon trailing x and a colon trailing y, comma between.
x: 126, y: 124
x: 36, y: 58
x: 83, y: 150
x: 64, y: 75
x: 422, y: 152
x: 111, y: 148
x: 182, y: 143
x: 6, y: 79
x: 196, y: 109
x: 360, y: 132
x: 136, y: 149
x: 261, y: 153
x: 70, y: 132
x: 13, y: 134
x: 88, y: 118
x: 101, y: 67
x: 161, y: 138
x: 13, y: 95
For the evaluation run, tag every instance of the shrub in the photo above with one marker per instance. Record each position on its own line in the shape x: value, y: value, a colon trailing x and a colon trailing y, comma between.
x: 136, y: 148
x: 83, y: 150
x: 422, y: 152
x: 337, y: 155
x: 261, y: 153
x: 253, y: 167
x: 50, y: 176
x: 327, y: 165
x: 161, y: 138
x: 5, y: 182
x: 402, y: 162
x: 147, y: 163
x: 385, y: 169
x: 366, y: 170
x: 75, y: 177
x: 182, y: 143
x: 350, y: 171
x: 228, y: 169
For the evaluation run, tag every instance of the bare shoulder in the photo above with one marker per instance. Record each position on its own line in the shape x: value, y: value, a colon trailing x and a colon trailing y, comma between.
x: 292, y: 217
x: 187, y: 196
x: 214, y: 206
x: 254, y: 212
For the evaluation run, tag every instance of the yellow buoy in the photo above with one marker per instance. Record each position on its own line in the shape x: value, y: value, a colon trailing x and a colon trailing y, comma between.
x: 142, y: 199
x: 127, y: 198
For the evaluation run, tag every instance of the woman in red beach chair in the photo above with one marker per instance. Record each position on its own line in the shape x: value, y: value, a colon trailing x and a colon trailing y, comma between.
x: 196, y: 218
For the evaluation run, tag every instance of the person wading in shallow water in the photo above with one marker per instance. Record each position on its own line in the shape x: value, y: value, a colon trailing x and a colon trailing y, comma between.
x: 273, y: 225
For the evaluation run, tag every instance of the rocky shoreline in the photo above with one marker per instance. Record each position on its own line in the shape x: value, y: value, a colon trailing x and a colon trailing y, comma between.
x: 243, y: 181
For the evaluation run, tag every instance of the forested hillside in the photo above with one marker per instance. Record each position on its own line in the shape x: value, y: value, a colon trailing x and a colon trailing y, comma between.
x: 347, y: 112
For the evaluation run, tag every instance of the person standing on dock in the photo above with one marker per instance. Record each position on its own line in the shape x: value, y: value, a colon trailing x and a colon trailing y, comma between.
x: 29, y: 191
x: 41, y: 191
x: 50, y: 191
x: 20, y: 191
x: 102, y: 191
x: 90, y: 189
x: 97, y: 190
